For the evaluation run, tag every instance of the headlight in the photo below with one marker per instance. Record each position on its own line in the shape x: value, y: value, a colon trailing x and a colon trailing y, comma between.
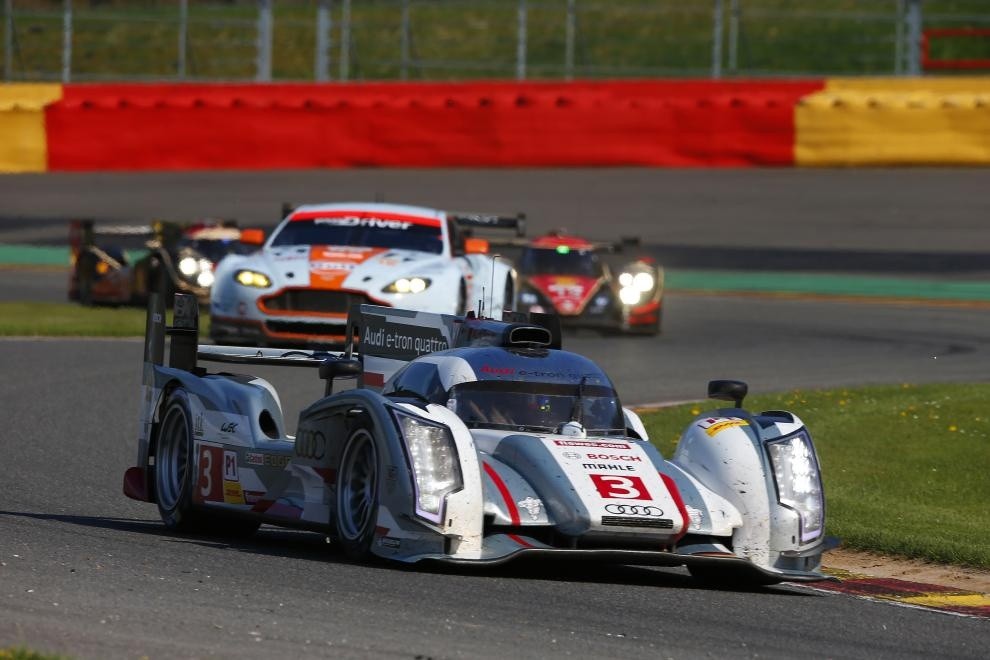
x: 799, y: 483
x: 253, y: 278
x: 408, y: 285
x: 634, y: 286
x: 436, y: 468
x: 630, y: 295
x: 528, y: 298
x: 205, y: 278
x: 188, y: 266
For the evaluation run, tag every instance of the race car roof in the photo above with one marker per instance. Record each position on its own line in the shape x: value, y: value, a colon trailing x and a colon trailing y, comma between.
x: 367, y: 210
x: 551, y: 241
x: 529, y: 365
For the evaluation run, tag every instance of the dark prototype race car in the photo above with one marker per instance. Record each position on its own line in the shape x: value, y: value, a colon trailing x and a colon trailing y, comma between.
x: 570, y: 276
x: 470, y: 440
x: 103, y: 271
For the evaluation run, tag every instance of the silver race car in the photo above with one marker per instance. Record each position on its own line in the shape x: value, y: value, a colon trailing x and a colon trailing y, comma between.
x: 471, y: 440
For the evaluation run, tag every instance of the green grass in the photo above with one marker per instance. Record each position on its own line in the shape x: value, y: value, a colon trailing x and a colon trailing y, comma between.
x: 20, y: 653
x: 121, y: 39
x: 905, y: 467
x: 37, y: 319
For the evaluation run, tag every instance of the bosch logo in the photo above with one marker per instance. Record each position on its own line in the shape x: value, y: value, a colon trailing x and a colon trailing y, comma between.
x: 311, y: 444
x: 645, y: 511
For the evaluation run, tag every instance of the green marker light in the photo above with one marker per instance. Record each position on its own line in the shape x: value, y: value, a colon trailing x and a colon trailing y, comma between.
x: 563, y: 249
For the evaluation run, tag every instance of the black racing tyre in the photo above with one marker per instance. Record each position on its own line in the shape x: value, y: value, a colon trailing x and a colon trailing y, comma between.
x: 357, y: 494
x: 175, y: 475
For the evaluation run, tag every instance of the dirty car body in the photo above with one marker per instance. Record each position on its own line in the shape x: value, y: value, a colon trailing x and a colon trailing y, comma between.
x: 472, y: 441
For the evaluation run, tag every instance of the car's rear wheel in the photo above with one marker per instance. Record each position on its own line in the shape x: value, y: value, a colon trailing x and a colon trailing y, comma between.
x: 174, y: 466
x: 357, y: 494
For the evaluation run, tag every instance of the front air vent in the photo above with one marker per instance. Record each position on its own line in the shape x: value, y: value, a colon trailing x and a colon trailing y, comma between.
x: 626, y: 521
x: 529, y: 335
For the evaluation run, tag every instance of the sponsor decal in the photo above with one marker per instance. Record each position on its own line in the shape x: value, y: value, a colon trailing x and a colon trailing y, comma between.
x: 329, y: 266
x: 310, y: 444
x: 532, y: 506
x: 711, y: 426
x: 209, y: 482
x: 277, y: 460
x: 254, y: 458
x: 569, y: 294
x: 589, y: 443
x: 389, y: 542
x: 401, y: 342
x: 198, y: 426
x: 356, y: 221
x: 572, y: 455
x: 609, y: 466
x: 613, y: 486
x: 644, y: 510
x: 497, y: 371
x: 232, y: 493
x: 615, y: 457
x: 228, y: 427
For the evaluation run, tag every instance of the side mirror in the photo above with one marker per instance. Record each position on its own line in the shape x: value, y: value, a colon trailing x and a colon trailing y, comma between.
x: 334, y: 367
x: 475, y: 246
x: 252, y: 236
x: 728, y: 390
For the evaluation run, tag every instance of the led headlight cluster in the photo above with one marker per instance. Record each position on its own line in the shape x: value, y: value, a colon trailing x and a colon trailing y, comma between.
x: 408, y: 285
x: 198, y: 270
x: 436, y: 469
x: 252, y: 278
x: 634, y: 287
x: 799, y: 483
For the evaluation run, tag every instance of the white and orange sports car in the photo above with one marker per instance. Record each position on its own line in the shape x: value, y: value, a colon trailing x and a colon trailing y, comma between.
x: 322, y: 259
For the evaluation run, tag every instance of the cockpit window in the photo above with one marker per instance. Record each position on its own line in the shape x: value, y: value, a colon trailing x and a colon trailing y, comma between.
x: 540, y: 407
x: 419, y: 379
x: 543, y: 261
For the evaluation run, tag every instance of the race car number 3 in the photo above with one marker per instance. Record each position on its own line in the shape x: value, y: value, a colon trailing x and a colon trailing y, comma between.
x: 612, y: 486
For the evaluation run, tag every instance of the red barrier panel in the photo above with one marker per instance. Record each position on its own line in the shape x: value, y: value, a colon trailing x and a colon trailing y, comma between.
x: 195, y: 126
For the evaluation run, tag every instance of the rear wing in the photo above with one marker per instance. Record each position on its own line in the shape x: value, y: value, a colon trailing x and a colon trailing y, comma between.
x: 491, y: 221
x: 83, y: 233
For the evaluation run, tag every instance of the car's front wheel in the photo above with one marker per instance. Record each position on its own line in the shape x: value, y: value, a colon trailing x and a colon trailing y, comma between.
x: 357, y: 494
x: 174, y: 465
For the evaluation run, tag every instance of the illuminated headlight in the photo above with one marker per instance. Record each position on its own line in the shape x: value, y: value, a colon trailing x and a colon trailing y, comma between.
x: 528, y: 298
x: 630, y: 295
x: 436, y: 469
x: 799, y: 483
x: 188, y: 266
x: 205, y: 278
x: 253, y: 278
x: 408, y: 285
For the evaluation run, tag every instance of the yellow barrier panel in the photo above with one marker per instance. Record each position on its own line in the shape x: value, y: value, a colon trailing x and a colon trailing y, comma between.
x: 23, y: 145
x: 917, y: 121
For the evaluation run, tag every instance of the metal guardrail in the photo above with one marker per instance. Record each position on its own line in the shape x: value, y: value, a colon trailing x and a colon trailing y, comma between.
x: 87, y: 40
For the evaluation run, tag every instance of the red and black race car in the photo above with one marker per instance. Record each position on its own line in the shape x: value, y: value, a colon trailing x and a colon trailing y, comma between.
x: 591, y: 284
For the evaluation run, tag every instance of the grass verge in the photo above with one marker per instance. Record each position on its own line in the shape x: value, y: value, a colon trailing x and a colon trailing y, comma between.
x: 904, y: 466
x: 38, y: 319
x: 24, y: 654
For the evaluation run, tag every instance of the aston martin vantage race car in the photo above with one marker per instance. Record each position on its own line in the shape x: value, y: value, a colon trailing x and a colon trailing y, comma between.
x: 324, y: 258
x: 471, y: 440
x: 121, y: 264
x: 569, y: 275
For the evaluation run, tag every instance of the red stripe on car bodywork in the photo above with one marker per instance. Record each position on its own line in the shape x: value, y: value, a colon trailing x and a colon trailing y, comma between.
x: 504, y: 490
x: 520, y: 540
x: 367, y: 213
x: 676, y: 495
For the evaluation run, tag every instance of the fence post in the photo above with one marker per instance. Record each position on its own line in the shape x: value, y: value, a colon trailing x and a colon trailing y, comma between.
x: 912, y: 52
x: 345, y: 40
x: 66, y: 41
x: 183, y: 37
x: 735, y: 14
x: 8, y: 40
x: 264, y: 43
x: 322, y: 65
x: 404, y: 42
x: 570, y: 25
x: 717, y: 39
x: 521, y: 41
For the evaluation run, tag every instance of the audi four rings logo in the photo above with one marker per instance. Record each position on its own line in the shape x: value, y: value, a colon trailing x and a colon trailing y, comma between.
x: 635, y: 510
x: 311, y: 444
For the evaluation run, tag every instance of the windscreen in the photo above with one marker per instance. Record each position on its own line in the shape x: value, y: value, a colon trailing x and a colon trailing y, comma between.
x: 363, y: 232
x: 541, y: 407
x: 215, y: 250
x: 541, y: 261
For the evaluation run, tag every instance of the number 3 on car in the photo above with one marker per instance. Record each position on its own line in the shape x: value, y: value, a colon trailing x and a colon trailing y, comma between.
x: 611, y: 486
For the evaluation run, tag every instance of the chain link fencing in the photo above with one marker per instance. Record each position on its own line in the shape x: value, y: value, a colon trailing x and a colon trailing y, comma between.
x: 297, y: 40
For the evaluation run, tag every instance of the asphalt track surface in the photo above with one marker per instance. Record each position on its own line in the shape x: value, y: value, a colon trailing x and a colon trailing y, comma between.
x: 86, y: 572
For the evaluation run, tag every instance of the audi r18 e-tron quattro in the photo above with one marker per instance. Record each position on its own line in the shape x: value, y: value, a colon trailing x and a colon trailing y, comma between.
x: 471, y: 440
x: 570, y: 276
x: 323, y: 258
x: 121, y: 264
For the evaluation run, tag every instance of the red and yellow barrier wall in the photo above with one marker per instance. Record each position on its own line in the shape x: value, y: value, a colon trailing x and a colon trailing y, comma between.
x: 684, y: 123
